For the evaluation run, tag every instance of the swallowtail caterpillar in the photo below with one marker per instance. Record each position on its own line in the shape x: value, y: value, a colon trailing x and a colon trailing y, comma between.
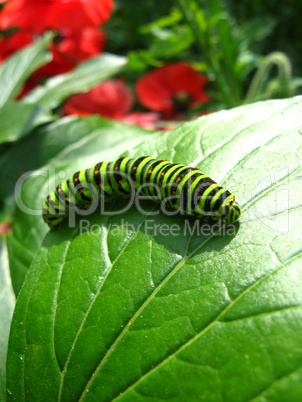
x: 180, y: 187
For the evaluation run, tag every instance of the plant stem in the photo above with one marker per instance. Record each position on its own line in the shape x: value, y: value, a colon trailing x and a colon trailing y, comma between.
x: 208, y: 52
x: 284, y: 74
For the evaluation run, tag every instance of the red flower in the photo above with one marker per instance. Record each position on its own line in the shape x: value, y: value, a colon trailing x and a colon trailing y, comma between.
x: 83, y: 44
x: 172, y: 89
x: 15, y: 42
x: 39, y: 15
x: 110, y: 99
x: 70, y: 48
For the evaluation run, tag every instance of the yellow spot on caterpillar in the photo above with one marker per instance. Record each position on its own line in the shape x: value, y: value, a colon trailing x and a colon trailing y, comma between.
x: 178, y: 179
x: 120, y: 181
x: 101, y: 185
x: 82, y: 190
x: 116, y: 168
x: 66, y: 199
x: 150, y: 171
x: 76, y: 179
x: 217, y: 216
x: 134, y: 167
x: 96, y: 172
x: 162, y: 174
x: 174, y: 192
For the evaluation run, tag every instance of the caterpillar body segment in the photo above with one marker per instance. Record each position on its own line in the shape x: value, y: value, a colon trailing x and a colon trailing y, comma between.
x: 179, y: 187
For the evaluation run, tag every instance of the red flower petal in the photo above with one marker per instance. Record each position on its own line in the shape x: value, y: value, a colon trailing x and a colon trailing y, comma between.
x: 83, y: 44
x: 74, y: 48
x: 165, y: 88
x: 15, y: 42
x: 39, y: 15
x: 110, y: 99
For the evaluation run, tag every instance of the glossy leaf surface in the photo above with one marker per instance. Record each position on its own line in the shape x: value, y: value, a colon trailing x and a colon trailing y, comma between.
x: 127, y: 310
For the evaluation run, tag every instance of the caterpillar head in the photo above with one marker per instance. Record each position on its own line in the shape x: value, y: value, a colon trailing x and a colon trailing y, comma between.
x: 229, y: 211
x: 53, y: 220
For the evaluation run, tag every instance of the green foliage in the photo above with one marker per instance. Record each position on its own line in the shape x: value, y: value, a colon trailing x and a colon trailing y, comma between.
x: 131, y: 313
x: 286, y: 37
x: 226, y: 49
x: 124, y: 27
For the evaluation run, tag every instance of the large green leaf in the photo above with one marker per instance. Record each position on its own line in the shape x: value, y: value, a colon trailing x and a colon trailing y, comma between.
x: 81, y: 79
x: 7, y: 303
x: 144, y: 307
x: 18, y: 119
x: 64, y: 145
x: 15, y: 70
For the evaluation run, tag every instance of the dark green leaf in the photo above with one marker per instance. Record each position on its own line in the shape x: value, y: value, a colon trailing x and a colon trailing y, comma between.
x: 126, y: 310
x: 15, y: 70
x: 61, y: 146
x: 18, y: 119
x: 81, y: 79
x: 7, y: 303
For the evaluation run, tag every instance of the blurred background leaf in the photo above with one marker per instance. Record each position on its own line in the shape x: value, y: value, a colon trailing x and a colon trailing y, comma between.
x: 15, y: 70
x: 7, y: 304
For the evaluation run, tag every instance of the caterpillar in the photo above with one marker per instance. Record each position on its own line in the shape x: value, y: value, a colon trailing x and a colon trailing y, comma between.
x: 177, y: 186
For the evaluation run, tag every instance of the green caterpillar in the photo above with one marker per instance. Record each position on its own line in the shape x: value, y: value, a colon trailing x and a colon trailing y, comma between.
x: 180, y: 187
